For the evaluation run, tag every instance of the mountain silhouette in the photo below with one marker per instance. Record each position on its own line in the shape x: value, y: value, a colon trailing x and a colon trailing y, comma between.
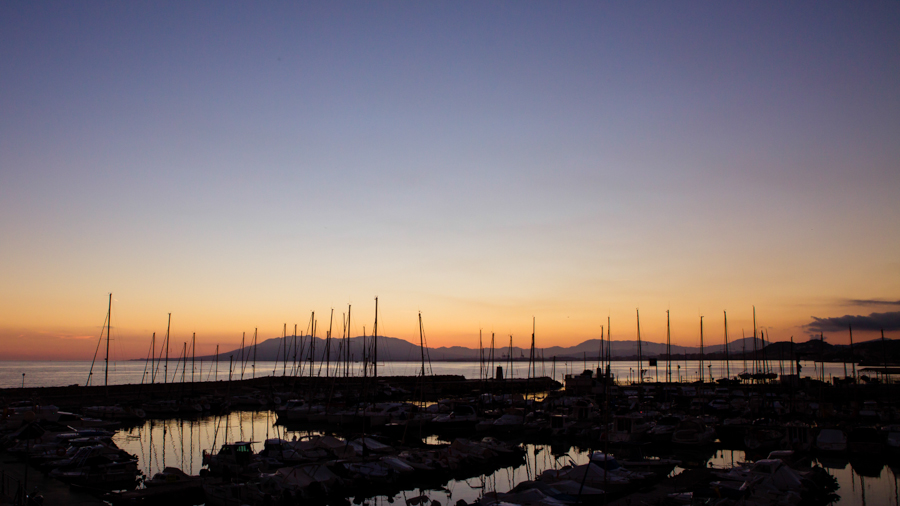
x: 392, y: 349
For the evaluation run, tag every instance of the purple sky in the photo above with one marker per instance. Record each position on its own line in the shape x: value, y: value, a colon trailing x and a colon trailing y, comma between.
x: 240, y: 165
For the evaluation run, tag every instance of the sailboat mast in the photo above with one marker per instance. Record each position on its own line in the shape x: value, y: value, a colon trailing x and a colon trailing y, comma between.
x: 701, y: 350
x: 852, y: 356
x: 600, y: 356
x: 217, y: 363
x: 480, y: 357
x: 193, y: 354
x: 755, y: 356
x: 284, y: 350
x: 108, y: 325
x: 243, y: 337
x: 510, y: 357
x: 421, y: 343
x: 153, y: 358
x: 608, y: 348
x: 243, y: 340
x: 166, y: 365
x: 668, y: 349
x: 727, y: 363
x: 328, y: 343
x: 492, y: 354
x: 533, y: 371
x: 312, y: 344
x: 375, y: 343
x: 255, y: 333
x: 347, y: 353
x: 640, y: 354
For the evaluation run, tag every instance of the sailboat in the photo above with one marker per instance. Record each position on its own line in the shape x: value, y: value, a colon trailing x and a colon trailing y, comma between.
x: 109, y: 412
x: 106, y: 369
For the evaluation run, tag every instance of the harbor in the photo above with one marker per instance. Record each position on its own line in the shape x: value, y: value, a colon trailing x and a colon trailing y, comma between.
x: 592, y: 438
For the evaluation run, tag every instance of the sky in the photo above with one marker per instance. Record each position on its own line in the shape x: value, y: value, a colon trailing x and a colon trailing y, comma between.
x: 490, y: 164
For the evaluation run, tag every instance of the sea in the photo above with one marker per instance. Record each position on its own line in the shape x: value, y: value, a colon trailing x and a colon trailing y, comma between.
x: 63, y: 373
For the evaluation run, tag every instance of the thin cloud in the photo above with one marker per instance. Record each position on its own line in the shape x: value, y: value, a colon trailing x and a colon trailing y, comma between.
x: 77, y: 337
x: 875, y: 321
x: 872, y: 302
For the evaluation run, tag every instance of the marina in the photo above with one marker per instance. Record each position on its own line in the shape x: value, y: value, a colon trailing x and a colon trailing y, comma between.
x: 591, y: 438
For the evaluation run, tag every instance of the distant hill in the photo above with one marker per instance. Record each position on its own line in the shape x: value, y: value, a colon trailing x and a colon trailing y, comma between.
x: 392, y: 349
x: 875, y: 352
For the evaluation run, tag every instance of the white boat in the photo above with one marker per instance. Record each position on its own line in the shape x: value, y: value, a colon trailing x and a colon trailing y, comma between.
x: 831, y: 440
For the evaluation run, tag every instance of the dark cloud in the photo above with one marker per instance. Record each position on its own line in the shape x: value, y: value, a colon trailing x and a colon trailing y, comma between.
x: 872, y: 302
x: 875, y: 321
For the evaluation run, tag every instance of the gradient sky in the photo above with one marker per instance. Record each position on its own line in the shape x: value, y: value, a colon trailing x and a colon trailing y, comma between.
x: 240, y: 165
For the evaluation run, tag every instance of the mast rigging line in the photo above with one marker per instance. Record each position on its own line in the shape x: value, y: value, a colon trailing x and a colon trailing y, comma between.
x: 149, y: 353
x: 99, y: 340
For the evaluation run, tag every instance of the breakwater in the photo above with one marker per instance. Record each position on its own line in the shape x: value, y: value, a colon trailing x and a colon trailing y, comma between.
x: 398, y: 387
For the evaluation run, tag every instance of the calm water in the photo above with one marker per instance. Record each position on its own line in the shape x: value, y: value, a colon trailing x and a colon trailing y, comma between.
x: 48, y: 373
x: 180, y: 443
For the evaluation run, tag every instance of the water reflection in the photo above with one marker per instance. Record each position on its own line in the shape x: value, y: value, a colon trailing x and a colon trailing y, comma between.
x: 181, y: 443
x: 864, y: 483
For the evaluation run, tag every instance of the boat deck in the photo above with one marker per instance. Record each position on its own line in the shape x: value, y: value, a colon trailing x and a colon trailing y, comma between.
x: 12, y: 473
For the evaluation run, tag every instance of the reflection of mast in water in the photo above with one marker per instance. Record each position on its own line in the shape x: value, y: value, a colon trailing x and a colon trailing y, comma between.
x: 150, y: 448
x: 165, y: 431
x: 141, y: 439
x: 862, y: 489
x: 181, y: 440
x: 191, y: 428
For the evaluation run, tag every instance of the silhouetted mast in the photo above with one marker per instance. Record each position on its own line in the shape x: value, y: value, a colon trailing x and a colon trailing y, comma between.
x: 108, y: 325
x: 166, y: 365
x: 701, y: 350
x: 421, y: 341
x: 194, y: 355
x: 328, y: 343
x: 347, y: 362
x: 668, y: 349
x: 492, y: 355
x: 600, y: 356
x: 480, y: 357
x: 755, y: 356
x: 608, y: 348
x: 294, y: 357
x: 312, y: 343
x: 727, y: 365
x: 243, y: 337
x: 153, y: 358
x: 510, y: 372
x: 640, y: 354
x: 375, y: 343
x: 255, y: 333
x: 532, y: 371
